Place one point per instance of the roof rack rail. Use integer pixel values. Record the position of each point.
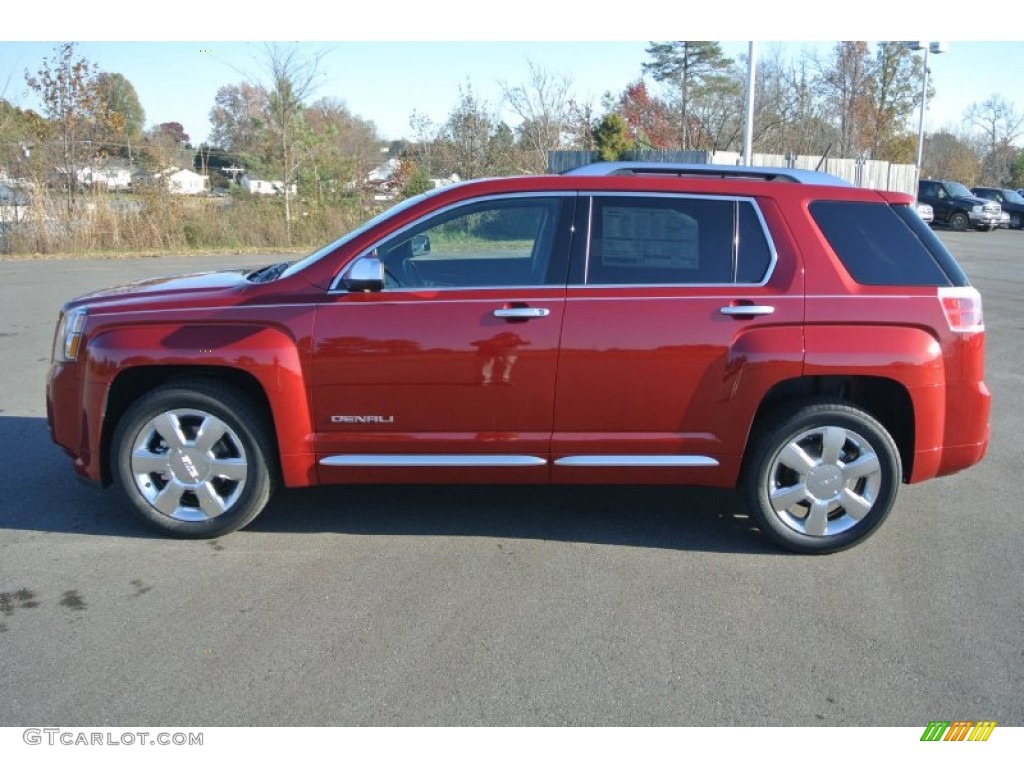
(635, 168)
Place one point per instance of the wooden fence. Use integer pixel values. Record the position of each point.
(874, 174)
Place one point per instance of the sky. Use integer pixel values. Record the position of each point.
(395, 60)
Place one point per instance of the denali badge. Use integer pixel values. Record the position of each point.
(362, 419)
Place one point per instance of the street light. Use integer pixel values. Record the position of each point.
(936, 48)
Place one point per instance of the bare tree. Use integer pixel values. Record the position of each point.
(846, 81)
(1000, 125)
(544, 105)
(294, 76)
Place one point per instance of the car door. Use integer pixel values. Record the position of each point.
(933, 193)
(448, 373)
(680, 312)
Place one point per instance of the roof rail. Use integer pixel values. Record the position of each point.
(635, 168)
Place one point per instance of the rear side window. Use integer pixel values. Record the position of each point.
(876, 245)
(675, 241)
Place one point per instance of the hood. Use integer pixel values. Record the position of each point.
(197, 285)
(977, 200)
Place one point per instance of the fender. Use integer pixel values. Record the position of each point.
(273, 355)
(910, 356)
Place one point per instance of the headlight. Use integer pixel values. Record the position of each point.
(976, 209)
(69, 339)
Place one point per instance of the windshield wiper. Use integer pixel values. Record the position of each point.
(266, 274)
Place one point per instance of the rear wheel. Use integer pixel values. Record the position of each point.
(821, 477)
(195, 459)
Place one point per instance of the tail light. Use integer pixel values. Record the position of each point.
(962, 307)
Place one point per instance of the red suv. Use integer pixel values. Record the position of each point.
(811, 342)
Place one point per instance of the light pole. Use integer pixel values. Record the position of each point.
(748, 128)
(936, 48)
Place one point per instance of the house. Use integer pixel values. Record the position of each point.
(186, 182)
(445, 182)
(264, 187)
(114, 178)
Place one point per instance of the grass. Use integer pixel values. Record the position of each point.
(155, 223)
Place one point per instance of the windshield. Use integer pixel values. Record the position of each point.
(329, 248)
(958, 190)
(1012, 197)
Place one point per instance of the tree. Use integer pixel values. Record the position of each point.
(896, 95)
(173, 131)
(341, 146)
(22, 133)
(465, 136)
(239, 118)
(543, 105)
(611, 136)
(294, 77)
(426, 135)
(846, 82)
(686, 65)
(503, 157)
(951, 155)
(1000, 125)
(412, 179)
(120, 114)
(1016, 180)
(67, 87)
(579, 130)
(648, 118)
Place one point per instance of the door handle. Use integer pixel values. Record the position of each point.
(745, 310)
(522, 313)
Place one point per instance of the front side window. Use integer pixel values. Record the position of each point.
(491, 243)
(675, 241)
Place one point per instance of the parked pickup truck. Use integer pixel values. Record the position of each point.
(955, 206)
(777, 330)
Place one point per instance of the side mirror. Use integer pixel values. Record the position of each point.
(366, 275)
(420, 245)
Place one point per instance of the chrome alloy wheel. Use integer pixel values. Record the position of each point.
(189, 465)
(824, 481)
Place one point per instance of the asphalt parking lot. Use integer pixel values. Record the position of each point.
(501, 606)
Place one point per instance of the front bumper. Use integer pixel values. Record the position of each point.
(74, 411)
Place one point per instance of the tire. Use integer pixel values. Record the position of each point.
(959, 221)
(822, 476)
(1016, 221)
(195, 459)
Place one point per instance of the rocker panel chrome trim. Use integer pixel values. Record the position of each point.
(430, 460)
(652, 460)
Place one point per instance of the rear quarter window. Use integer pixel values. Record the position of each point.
(876, 245)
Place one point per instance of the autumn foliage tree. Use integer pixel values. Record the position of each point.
(67, 86)
(648, 119)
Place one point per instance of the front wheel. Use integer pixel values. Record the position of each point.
(959, 222)
(821, 477)
(195, 459)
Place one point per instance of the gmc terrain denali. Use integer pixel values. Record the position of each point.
(811, 342)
